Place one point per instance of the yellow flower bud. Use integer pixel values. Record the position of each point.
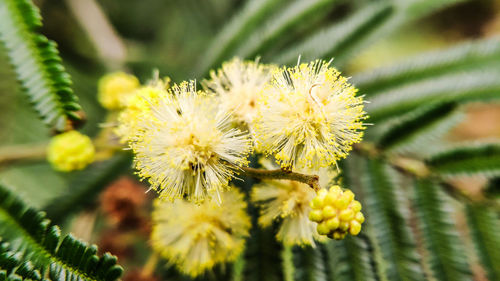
(333, 223)
(349, 195)
(354, 228)
(70, 151)
(332, 196)
(323, 228)
(114, 88)
(322, 193)
(316, 215)
(344, 226)
(328, 212)
(355, 206)
(318, 201)
(338, 235)
(346, 215)
(342, 202)
(335, 189)
(360, 217)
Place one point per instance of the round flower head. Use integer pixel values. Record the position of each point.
(336, 212)
(197, 237)
(187, 146)
(70, 151)
(310, 116)
(113, 89)
(238, 84)
(289, 201)
(137, 108)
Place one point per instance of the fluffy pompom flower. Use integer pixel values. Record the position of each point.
(290, 202)
(187, 146)
(70, 151)
(137, 108)
(310, 116)
(238, 84)
(197, 237)
(114, 87)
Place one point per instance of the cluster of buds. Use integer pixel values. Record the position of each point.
(336, 212)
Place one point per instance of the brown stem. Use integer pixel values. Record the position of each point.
(281, 174)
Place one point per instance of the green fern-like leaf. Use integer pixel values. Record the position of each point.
(347, 38)
(38, 65)
(310, 263)
(477, 85)
(262, 256)
(446, 253)
(239, 27)
(485, 228)
(385, 207)
(419, 128)
(293, 15)
(474, 159)
(351, 259)
(462, 57)
(15, 264)
(86, 186)
(62, 259)
(336, 39)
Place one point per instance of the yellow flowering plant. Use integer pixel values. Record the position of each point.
(245, 163)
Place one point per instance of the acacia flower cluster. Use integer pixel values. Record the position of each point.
(310, 116)
(196, 237)
(189, 144)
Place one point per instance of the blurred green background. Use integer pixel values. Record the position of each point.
(176, 37)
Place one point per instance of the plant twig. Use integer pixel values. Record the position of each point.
(281, 174)
(16, 153)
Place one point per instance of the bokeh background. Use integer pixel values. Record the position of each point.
(174, 36)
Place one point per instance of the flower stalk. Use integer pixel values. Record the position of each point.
(283, 174)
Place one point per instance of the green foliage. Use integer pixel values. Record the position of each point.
(86, 186)
(473, 159)
(60, 258)
(420, 127)
(344, 39)
(446, 254)
(408, 234)
(38, 65)
(310, 263)
(351, 259)
(485, 227)
(477, 85)
(386, 211)
(240, 25)
(463, 57)
(294, 15)
(13, 265)
(262, 256)
(339, 38)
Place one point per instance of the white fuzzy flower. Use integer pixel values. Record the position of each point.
(310, 116)
(187, 146)
(238, 84)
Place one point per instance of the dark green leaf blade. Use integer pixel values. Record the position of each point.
(465, 160)
(446, 253)
(484, 225)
